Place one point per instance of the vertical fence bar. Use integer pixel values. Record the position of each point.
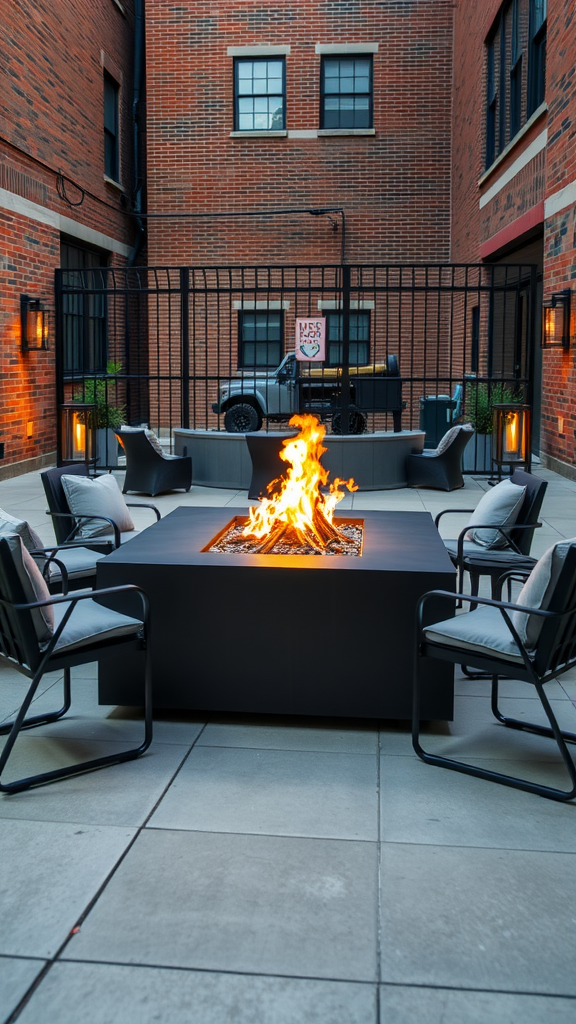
(185, 347)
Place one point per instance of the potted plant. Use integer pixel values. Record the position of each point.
(106, 417)
(479, 401)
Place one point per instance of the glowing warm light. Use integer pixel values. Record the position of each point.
(300, 513)
(79, 436)
(511, 431)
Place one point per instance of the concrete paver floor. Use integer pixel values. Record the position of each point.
(265, 870)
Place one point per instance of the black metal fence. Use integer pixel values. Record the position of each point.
(180, 347)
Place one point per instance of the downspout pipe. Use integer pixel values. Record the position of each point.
(138, 75)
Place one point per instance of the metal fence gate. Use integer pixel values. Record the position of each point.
(155, 345)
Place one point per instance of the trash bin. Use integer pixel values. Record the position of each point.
(436, 414)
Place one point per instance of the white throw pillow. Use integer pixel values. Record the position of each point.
(152, 437)
(537, 591)
(500, 505)
(97, 496)
(445, 441)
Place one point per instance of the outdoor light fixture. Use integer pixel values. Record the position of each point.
(512, 435)
(77, 441)
(33, 323)
(556, 324)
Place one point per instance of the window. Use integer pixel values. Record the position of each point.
(111, 162)
(359, 338)
(515, 71)
(260, 337)
(259, 94)
(346, 92)
(537, 62)
(84, 319)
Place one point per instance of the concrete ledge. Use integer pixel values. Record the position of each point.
(562, 468)
(34, 465)
(376, 461)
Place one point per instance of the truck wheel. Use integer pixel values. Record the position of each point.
(356, 422)
(241, 419)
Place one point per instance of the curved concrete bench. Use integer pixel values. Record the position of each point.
(376, 461)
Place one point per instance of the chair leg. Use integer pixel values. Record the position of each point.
(483, 773)
(19, 723)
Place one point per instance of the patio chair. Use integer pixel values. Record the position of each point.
(71, 565)
(511, 522)
(41, 633)
(148, 470)
(441, 467)
(533, 640)
(88, 525)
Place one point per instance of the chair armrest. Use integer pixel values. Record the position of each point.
(447, 510)
(140, 504)
(50, 558)
(504, 530)
(81, 517)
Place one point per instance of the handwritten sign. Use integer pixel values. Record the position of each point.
(311, 339)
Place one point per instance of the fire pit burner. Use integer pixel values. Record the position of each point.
(234, 540)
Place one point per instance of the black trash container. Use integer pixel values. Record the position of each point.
(436, 414)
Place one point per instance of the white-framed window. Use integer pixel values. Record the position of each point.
(259, 94)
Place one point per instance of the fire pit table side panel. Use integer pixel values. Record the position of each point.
(274, 634)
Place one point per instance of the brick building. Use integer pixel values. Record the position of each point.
(514, 172)
(66, 184)
(294, 133)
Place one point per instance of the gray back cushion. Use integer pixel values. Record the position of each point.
(538, 590)
(500, 505)
(97, 496)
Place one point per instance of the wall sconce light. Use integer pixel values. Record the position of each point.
(512, 435)
(556, 322)
(33, 323)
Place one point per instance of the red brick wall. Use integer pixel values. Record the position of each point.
(475, 229)
(51, 120)
(393, 186)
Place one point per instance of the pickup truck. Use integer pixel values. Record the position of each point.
(253, 396)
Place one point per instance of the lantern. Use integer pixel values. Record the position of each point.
(511, 435)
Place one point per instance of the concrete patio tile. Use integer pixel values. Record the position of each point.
(275, 792)
(121, 795)
(476, 733)
(101, 993)
(290, 734)
(513, 688)
(401, 1004)
(487, 919)
(16, 976)
(55, 871)
(249, 904)
(426, 804)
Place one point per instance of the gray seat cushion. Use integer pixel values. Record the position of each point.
(79, 562)
(489, 555)
(90, 622)
(483, 631)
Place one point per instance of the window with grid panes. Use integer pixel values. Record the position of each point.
(515, 71)
(260, 339)
(346, 92)
(359, 339)
(259, 94)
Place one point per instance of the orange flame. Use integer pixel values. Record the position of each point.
(300, 512)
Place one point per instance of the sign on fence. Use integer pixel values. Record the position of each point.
(311, 339)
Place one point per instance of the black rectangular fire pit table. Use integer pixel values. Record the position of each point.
(283, 634)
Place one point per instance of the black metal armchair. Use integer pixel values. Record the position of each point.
(81, 630)
(469, 556)
(492, 639)
(149, 472)
(68, 526)
(441, 467)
